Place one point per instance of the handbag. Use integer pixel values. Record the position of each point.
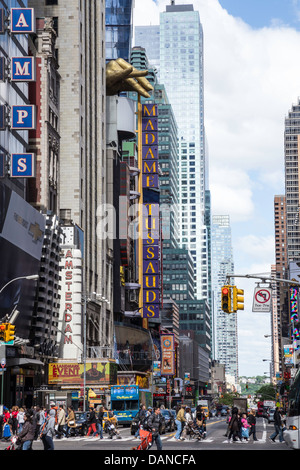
(71, 423)
(198, 422)
(245, 432)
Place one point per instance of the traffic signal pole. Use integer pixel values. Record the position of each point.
(264, 279)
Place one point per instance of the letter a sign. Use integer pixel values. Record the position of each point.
(22, 20)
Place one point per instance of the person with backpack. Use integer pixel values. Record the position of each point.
(48, 431)
(154, 424)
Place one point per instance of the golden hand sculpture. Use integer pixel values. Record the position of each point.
(121, 76)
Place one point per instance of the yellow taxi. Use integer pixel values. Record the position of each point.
(205, 411)
(110, 417)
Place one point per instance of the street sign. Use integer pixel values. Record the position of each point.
(262, 299)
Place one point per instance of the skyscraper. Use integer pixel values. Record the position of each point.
(225, 342)
(180, 66)
(118, 16)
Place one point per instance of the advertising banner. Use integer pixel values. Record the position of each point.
(168, 355)
(98, 373)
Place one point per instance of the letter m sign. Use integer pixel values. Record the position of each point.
(22, 69)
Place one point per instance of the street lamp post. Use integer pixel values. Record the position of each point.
(31, 277)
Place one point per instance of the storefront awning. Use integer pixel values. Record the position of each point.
(23, 361)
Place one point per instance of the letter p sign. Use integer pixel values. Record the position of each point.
(23, 117)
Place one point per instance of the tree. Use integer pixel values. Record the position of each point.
(266, 392)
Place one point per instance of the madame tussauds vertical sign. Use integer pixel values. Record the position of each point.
(151, 213)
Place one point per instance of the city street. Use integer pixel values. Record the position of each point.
(215, 440)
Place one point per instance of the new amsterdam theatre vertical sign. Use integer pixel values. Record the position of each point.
(151, 216)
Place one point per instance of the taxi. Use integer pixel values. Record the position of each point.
(110, 417)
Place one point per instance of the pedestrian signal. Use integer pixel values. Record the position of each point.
(9, 334)
(238, 299)
(226, 299)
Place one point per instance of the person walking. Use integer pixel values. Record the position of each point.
(244, 427)
(92, 422)
(252, 423)
(40, 419)
(99, 425)
(234, 427)
(141, 418)
(71, 424)
(14, 420)
(26, 436)
(61, 421)
(188, 420)
(201, 418)
(48, 432)
(278, 426)
(154, 424)
(21, 419)
(180, 420)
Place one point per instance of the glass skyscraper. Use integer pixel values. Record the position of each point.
(225, 342)
(118, 22)
(180, 69)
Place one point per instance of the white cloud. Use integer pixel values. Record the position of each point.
(251, 81)
(260, 249)
(231, 191)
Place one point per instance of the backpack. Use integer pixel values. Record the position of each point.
(43, 430)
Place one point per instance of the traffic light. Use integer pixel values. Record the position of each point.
(226, 299)
(9, 334)
(237, 299)
(2, 331)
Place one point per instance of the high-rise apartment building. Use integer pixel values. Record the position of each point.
(292, 181)
(225, 340)
(180, 68)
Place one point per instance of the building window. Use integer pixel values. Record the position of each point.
(51, 2)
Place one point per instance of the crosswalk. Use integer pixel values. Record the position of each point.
(211, 438)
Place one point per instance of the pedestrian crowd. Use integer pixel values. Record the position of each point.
(241, 426)
(29, 425)
(186, 422)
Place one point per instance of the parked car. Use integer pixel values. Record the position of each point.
(270, 416)
(169, 420)
(224, 411)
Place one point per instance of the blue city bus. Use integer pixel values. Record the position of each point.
(125, 401)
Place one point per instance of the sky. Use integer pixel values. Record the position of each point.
(251, 81)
